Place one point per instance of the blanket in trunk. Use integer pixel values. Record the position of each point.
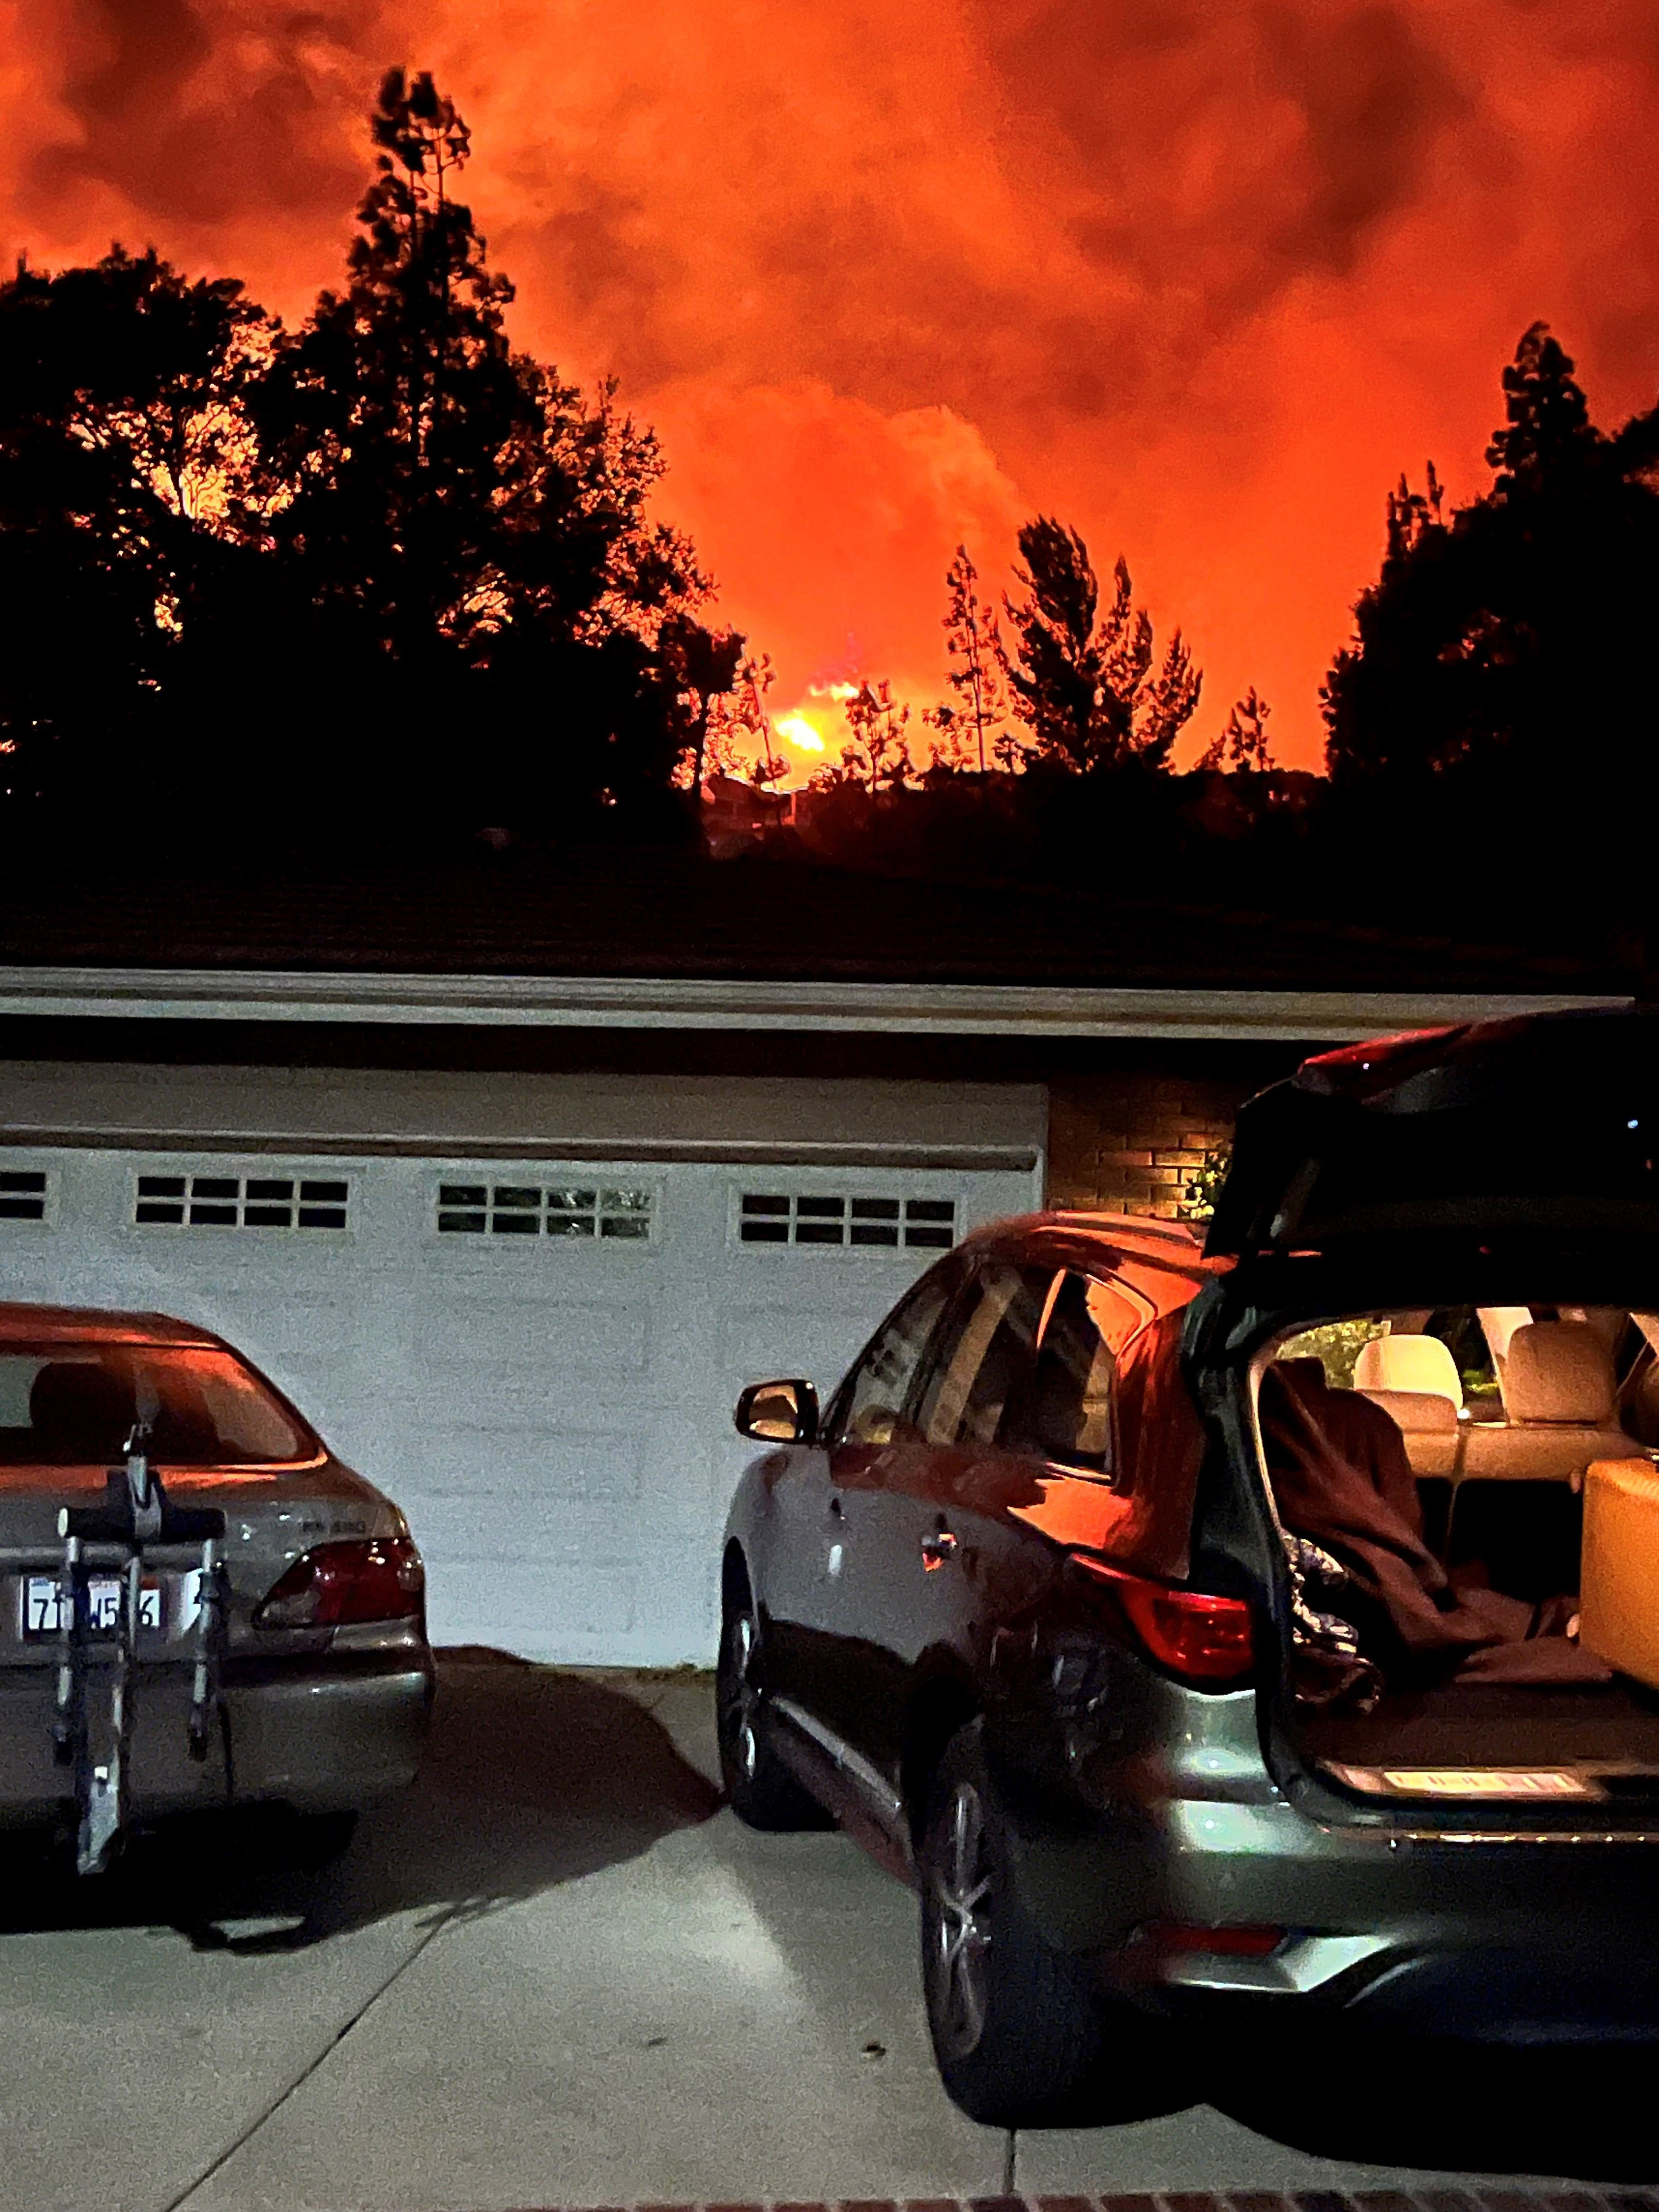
(1341, 1476)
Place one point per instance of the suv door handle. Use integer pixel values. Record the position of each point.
(938, 1548)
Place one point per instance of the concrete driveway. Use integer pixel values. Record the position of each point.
(559, 1973)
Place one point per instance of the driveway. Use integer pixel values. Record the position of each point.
(559, 1973)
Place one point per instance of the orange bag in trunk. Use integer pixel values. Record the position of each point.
(1618, 1587)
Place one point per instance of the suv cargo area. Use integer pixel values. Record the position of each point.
(1468, 1499)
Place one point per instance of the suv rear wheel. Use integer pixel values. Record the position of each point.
(1019, 2028)
(762, 1790)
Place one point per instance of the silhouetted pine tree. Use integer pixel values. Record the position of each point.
(1082, 677)
(475, 530)
(1243, 747)
(973, 726)
(876, 753)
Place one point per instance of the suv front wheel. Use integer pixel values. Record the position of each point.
(760, 1789)
(1019, 2028)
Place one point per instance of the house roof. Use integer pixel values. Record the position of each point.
(669, 914)
(670, 940)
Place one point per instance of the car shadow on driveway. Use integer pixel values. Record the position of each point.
(533, 1777)
(1396, 2101)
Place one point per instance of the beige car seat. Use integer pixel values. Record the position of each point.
(1417, 1363)
(1415, 1379)
(1498, 1324)
(1560, 1397)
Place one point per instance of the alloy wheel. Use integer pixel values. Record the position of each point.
(743, 1693)
(960, 1881)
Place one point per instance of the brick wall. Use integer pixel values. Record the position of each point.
(1130, 1142)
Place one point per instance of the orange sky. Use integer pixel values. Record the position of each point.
(1200, 276)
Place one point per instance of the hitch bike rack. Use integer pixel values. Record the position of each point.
(136, 1519)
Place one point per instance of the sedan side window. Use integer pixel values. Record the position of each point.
(1065, 1412)
(874, 1396)
(983, 1356)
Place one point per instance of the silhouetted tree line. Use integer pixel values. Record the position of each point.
(1491, 755)
(1053, 756)
(372, 582)
(384, 581)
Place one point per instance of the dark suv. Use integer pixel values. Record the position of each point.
(1273, 1623)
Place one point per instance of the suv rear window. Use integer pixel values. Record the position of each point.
(72, 1405)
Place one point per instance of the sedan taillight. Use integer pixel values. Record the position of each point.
(381, 1579)
(1210, 1641)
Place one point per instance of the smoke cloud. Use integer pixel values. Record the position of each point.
(1201, 276)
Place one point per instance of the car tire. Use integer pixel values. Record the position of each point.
(1020, 2029)
(760, 1789)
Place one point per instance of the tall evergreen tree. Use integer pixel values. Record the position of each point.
(1506, 649)
(1495, 714)
(1082, 675)
(394, 413)
(1547, 437)
(472, 531)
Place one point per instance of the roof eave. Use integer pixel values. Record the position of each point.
(990, 1009)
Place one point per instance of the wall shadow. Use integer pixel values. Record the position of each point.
(533, 1776)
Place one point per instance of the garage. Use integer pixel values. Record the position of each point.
(522, 1304)
(512, 1170)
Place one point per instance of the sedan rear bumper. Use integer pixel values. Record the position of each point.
(329, 1741)
(316, 1738)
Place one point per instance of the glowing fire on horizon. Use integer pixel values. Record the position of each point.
(798, 731)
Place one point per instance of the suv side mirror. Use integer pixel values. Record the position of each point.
(778, 1413)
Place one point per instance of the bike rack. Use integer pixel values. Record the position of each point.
(135, 1517)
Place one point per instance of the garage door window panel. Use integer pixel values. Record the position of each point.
(593, 1212)
(846, 1220)
(26, 1195)
(235, 1202)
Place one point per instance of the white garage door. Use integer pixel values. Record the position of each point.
(537, 1358)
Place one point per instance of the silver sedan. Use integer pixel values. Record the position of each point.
(200, 1607)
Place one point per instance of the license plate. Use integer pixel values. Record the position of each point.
(43, 1608)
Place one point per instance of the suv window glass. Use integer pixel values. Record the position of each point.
(874, 1394)
(984, 1355)
(1065, 1414)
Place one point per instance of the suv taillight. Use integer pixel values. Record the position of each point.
(1210, 1641)
(381, 1579)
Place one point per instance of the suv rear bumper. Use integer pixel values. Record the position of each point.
(1526, 1990)
(1525, 1937)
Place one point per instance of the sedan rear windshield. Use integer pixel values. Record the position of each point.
(69, 1405)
